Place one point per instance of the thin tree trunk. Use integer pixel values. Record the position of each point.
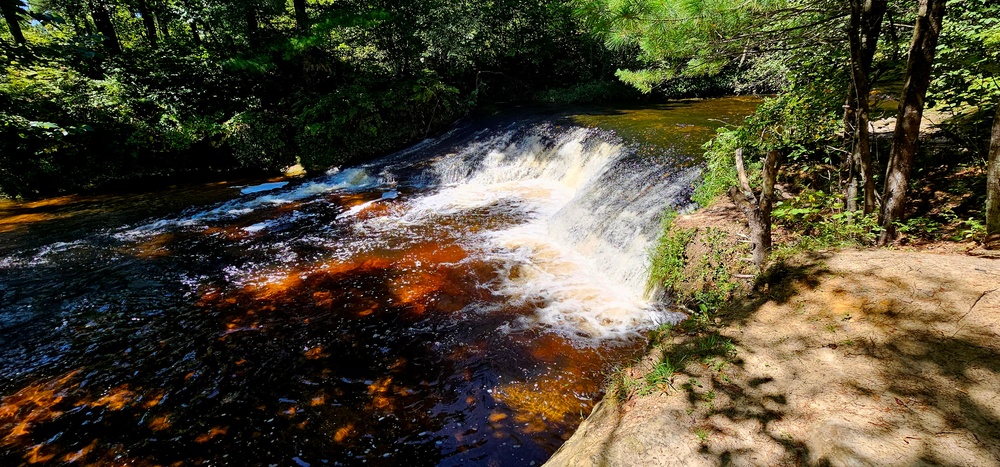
(911, 108)
(848, 174)
(253, 28)
(993, 188)
(873, 14)
(757, 209)
(209, 36)
(301, 18)
(102, 21)
(195, 36)
(162, 16)
(163, 26)
(148, 22)
(9, 8)
(865, 28)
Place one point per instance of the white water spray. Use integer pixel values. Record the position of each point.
(588, 210)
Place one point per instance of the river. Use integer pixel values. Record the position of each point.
(456, 303)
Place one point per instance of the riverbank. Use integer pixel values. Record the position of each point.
(872, 357)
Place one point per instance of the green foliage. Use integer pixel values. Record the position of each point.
(707, 347)
(660, 334)
(705, 282)
(240, 85)
(678, 39)
(61, 124)
(822, 223)
(719, 173)
(667, 259)
(658, 378)
(620, 385)
(645, 80)
(966, 70)
(966, 229)
(259, 139)
(357, 122)
(944, 226)
(802, 123)
(967, 61)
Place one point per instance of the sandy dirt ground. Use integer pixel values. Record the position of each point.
(875, 357)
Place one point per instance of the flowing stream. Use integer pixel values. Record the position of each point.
(456, 303)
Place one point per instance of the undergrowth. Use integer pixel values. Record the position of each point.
(667, 259)
(693, 341)
(815, 220)
(715, 273)
(720, 167)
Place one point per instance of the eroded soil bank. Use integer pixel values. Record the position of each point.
(874, 357)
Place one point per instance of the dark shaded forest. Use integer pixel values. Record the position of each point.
(106, 90)
(100, 92)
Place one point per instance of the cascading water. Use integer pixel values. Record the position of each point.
(455, 303)
(591, 209)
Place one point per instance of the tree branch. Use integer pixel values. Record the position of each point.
(741, 173)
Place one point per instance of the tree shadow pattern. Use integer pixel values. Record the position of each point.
(873, 358)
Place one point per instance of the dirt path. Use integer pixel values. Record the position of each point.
(872, 357)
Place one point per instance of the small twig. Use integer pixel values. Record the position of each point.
(838, 149)
(973, 307)
(977, 303)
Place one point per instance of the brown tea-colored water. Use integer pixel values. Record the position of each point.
(454, 304)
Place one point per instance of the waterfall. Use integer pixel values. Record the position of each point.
(587, 207)
(595, 206)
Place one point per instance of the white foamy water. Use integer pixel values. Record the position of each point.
(581, 257)
(583, 213)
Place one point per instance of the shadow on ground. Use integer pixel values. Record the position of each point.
(851, 358)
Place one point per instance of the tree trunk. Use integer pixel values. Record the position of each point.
(102, 21)
(163, 25)
(911, 108)
(848, 174)
(757, 209)
(301, 18)
(253, 28)
(993, 188)
(864, 30)
(148, 22)
(10, 8)
(195, 36)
